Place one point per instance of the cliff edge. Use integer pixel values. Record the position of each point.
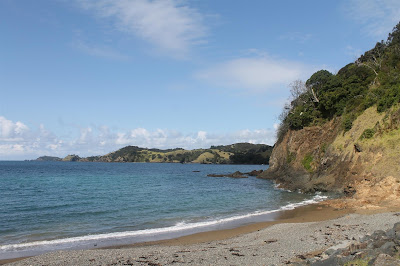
(341, 132)
(363, 166)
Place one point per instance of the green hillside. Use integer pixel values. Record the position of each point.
(373, 80)
(240, 153)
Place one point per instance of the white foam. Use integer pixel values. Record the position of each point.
(181, 226)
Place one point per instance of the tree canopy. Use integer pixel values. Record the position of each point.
(374, 79)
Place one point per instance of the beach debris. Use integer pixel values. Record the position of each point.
(182, 251)
(150, 263)
(238, 254)
(302, 257)
(269, 241)
(153, 264)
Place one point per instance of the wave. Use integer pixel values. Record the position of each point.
(179, 227)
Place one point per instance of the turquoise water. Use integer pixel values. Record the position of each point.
(47, 206)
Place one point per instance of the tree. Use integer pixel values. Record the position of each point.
(297, 88)
(394, 36)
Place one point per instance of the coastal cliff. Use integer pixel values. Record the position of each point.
(324, 158)
(341, 132)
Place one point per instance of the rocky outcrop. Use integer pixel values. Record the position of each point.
(364, 167)
(255, 172)
(294, 162)
(236, 174)
(379, 248)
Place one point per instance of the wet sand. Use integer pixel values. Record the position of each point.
(302, 232)
(309, 213)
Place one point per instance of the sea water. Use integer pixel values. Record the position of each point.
(47, 206)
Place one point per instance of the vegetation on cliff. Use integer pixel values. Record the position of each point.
(341, 132)
(239, 153)
(373, 80)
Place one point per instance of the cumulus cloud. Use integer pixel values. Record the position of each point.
(256, 74)
(171, 139)
(378, 16)
(17, 141)
(170, 25)
(11, 131)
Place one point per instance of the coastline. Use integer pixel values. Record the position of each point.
(304, 231)
(308, 213)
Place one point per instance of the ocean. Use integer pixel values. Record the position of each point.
(47, 206)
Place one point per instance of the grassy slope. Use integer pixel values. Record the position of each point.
(216, 154)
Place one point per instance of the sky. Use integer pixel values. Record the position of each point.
(88, 77)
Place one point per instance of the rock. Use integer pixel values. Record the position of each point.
(330, 251)
(215, 175)
(357, 147)
(328, 262)
(388, 248)
(378, 234)
(349, 191)
(236, 174)
(269, 241)
(396, 229)
(254, 173)
(377, 243)
(385, 259)
(357, 246)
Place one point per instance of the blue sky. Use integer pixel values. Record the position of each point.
(88, 77)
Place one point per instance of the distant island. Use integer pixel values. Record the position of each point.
(239, 153)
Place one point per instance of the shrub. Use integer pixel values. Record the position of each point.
(291, 156)
(348, 122)
(368, 133)
(324, 147)
(306, 162)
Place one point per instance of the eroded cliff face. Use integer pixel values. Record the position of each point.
(323, 158)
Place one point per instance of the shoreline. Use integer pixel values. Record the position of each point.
(301, 214)
(305, 231)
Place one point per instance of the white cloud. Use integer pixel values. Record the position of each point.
(170, 25)
(378, 16)
(255, 74)
(98, 51)
(10, 131)
(17, 141)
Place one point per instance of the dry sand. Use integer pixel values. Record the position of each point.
(305, 231)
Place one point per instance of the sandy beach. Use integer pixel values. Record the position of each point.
(297, 234)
